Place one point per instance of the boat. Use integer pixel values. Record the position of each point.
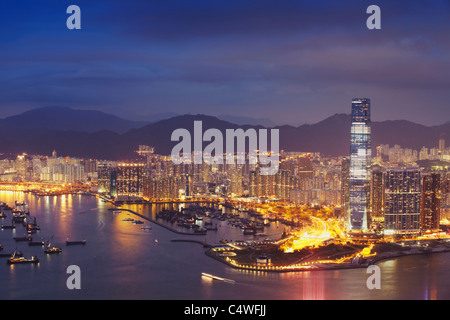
(23, 238)
(210, 276)
(128, 219)
(53, 250)
(116, 211)
(138, 222)
(18, 258)
(146, 228)
(11, 226)
(75, 242)
(33, 226)
(21, 260)
(20, 217)
(36, 243)
(200, 231)
(248, 230)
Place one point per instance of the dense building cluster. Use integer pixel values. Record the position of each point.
(400, 191)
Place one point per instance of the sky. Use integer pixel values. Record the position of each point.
(293, 62)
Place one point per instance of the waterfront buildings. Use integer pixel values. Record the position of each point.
(106, 179)
(365, 191)
(360, 162)
(130, 180)
(65, 170)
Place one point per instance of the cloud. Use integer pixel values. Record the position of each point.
(303, 59)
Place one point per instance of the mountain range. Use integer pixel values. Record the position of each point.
(94, 134)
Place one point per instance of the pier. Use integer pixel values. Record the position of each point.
(204, 244)
(160, 224)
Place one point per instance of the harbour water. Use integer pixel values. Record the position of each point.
(122, 261)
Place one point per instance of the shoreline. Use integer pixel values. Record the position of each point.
(323, 266)
(385, 256)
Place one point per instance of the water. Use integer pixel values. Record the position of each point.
(122, 261)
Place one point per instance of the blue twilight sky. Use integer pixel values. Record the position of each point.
(291, 61)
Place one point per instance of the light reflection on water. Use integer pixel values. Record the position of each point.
(122, 261)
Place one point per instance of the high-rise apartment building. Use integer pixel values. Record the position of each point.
(431, 205)
(345, 186)
(402, 201)
(360, 161)
(130, 179)
(104, 178)
(377, 198)
(305, 171)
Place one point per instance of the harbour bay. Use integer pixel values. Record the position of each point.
(122, 261)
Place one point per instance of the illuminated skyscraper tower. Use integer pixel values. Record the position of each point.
(360, 161)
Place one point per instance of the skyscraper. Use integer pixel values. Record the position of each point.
(360, 161)
(130, 177)
(402, 202)
(305, 171)
(377, 190)
(441, 145)
(345, 185)
(430, 210)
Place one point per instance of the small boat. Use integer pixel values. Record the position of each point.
(23, 238)
(138, 222)
(12, 226)
(75, 242)
(200, 231)
(248, 230)
(18, 218)
(128, 219)
(146, 228)
(20, 260)
(53, 250)
(36, 243)
(210, 276)
(116, 211)
(33, 226)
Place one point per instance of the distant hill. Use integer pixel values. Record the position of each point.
(35, 133)
(246, 120)
(66, 119)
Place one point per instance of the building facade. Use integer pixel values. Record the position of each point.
(360, 162)
(130, 179)
(431, 204)
(402, 202)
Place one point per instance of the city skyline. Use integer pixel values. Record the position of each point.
(301, 211)
(208, 150)
(135, 59)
